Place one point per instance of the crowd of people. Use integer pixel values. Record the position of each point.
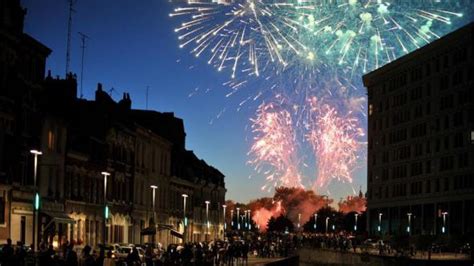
(234, 251)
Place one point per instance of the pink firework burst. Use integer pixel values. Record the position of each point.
(335, 141)
(274, 151)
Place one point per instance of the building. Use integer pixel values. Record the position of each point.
(142, 151)
(22, 66)
(421, 139)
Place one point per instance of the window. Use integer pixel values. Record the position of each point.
(472, 137)
(463, 160)
(458, 119)
(446, 163)
(371, 109)
(428, 186)
(428, 167)
(416, 93)
(446, 184)
(51, 140)
(416, 169)
(458, 140)
(2, 210)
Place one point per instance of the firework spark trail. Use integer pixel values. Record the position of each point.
(335, 140)
(274, 151)
(358, 35)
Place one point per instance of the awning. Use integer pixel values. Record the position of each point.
(176, 234)
(59, 217)
(148, 231)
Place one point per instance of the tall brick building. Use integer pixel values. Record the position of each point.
(421, 139)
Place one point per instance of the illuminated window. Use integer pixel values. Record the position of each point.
(51, 140)
(371, 109)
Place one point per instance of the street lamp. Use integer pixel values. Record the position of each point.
(231, 219)
(185, 220)
(246, 220)
(443, 229)
(207, 216)
(153, 188)
(315, 221)
(106, 208)
(36, 199)
(250, 220)
(327, 223)
(379, 227)
(299, 220)
(238, 219)
(409, 223)
(355, 223)
(223, 214)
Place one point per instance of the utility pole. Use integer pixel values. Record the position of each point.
(69, 28)
(84, 37)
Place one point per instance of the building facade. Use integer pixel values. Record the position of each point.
(421, 140)
(80, 140)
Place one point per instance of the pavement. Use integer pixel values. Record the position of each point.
(261, 261)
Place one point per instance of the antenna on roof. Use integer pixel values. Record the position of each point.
(146, 97)
(69, 27)
(83, 47)
(111, 91)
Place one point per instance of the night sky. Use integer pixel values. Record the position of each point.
(132, 45)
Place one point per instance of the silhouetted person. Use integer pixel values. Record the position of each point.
(133, 258)
(108, 261)
(7, 253)
(87, 259)
(71, 256)
(100, 260)
(20, 254)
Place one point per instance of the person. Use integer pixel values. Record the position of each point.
(87, 259)
(133, 258)
(100, 260)
(149, 256)
(7, 253)
(20, 253)
(109, 261)
(71, 256)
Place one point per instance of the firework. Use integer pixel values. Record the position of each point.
(362, 35)
(245, 36)
(275, 147)
(335, 140)
(253, 36)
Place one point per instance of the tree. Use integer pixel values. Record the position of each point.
(280, 224)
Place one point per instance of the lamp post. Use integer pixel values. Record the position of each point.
(299, 220)
(36, 198)
(207, 218)
(106, 208)
(443, 229)
(245, 220)
(379, 227)
(250, 220)
(185, 220)
(315, 221)
(232, 219)
(153, 188)
(225, 224)
(355, 223)
(327, 224)
(409, 223)
(238, 219)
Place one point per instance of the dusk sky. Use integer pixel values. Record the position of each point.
(132, 45)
